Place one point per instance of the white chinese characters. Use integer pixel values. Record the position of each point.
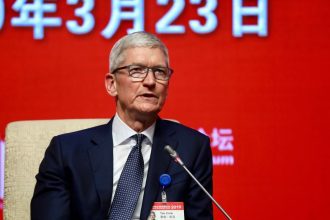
(2, 13)
(38, 21)
(239, 11)
(221, 139)
(40, 14)
(118, 14)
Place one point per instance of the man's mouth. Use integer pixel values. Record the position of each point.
(148, 95)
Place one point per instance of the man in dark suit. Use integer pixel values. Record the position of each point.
(92, 174)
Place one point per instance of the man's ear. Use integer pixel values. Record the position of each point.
(110, 84)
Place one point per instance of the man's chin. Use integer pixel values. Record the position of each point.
(149, 109)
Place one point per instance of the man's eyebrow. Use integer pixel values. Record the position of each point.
(154, 66)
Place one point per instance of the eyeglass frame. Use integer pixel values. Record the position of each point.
(146, 68)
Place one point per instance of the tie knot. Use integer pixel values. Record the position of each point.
(139, 138)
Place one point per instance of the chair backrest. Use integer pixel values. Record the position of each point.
(26, 142)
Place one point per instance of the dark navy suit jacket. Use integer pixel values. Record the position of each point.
(75, 176)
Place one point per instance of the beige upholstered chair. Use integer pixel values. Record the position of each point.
(26, 142)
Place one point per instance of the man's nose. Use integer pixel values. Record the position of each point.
(150, 78)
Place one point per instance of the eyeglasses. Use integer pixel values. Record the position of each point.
(140, 72)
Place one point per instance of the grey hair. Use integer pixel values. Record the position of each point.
(136, 39)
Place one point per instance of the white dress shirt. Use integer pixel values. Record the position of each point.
(122, 146)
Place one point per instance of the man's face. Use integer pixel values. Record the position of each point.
(144, 98)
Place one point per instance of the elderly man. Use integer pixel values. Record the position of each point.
(112, 171)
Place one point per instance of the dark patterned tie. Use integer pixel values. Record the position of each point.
(129, 184)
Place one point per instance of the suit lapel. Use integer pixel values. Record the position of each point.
(101, 160)
(159, 162)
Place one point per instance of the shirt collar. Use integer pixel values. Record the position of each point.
(122, 132)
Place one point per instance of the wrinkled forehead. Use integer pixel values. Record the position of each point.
(124, 55)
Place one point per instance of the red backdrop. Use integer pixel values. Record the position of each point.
(271, 94)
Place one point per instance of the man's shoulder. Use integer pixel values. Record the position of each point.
(181, 129)
(85, 134)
